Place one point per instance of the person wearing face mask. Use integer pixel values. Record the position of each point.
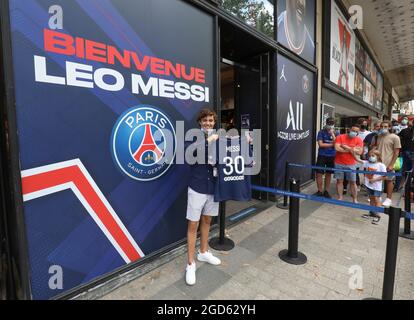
(389, 146)
(374, 182)
(326, 157)
(363, 134)
(396, 128)
(407, 148)
(348, 147)
(364, 130)
(404, 123)
(372, 137)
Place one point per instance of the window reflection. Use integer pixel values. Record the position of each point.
(257, 13)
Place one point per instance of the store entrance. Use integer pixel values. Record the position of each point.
(244, 105)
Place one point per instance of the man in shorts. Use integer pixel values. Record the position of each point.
(201, 206)
(407, 150)
(348, 147)
(389, 146)
(326, 157)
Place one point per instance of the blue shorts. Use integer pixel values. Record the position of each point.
(350, 176)
(374, 193)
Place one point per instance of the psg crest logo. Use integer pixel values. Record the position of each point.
(143, 143)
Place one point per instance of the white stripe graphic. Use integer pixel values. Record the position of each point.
(71, 185)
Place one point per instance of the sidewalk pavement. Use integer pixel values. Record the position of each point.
(333, 238)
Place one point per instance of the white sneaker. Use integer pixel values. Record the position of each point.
(387, 203)
(190, 274)
(209, 258)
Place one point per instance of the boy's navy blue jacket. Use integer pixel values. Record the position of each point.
(202, 179)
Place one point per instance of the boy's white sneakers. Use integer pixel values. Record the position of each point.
(190, 271)
(209, 258)
(190, 274)
(387, 203)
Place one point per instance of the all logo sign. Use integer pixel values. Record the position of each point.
(143, 143)
(295, 120)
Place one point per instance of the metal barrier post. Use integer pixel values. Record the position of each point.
(285, 205)
(222, 243)
(292, 256)
(407, 233)
(395, 215)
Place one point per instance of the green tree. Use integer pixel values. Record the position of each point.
(253, 12)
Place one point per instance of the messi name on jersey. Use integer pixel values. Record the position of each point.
(143, 143)
(232, 183)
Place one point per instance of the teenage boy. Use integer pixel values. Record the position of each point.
(201, 206)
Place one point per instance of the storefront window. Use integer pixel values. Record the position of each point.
(257, 13)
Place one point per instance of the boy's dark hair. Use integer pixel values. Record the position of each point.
(356, 126)
(206, 112)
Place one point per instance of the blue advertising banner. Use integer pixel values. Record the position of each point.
(95, 82)
(295, 119)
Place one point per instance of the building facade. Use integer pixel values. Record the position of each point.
(86, 82)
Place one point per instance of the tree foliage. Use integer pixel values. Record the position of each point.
(253, 12)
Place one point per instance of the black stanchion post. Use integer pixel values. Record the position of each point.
(285, 204)
(406, 233)
(222, 243)
(292, 256)
(395, 215)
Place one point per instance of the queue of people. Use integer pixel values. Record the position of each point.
(360, 149)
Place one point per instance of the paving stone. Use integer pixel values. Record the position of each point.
(334, 295)
(266, 217)
(236, 259)
(333, 285)
(285, 285)
(171, 293)
(259, 274)
(233, 290)
(209, 279)
(333, 239)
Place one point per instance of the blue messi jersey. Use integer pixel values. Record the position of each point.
(306, 49)
(232, 183)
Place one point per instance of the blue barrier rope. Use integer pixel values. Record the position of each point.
(320, 199)
(409, 215)
(385, 174)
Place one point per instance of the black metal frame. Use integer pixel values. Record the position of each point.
(314, 32)
(277, 49)
(20, 255)
(14, 201)
(326, 59)
(228, 17)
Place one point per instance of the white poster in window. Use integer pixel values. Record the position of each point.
(342, 60)
(368, 92)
